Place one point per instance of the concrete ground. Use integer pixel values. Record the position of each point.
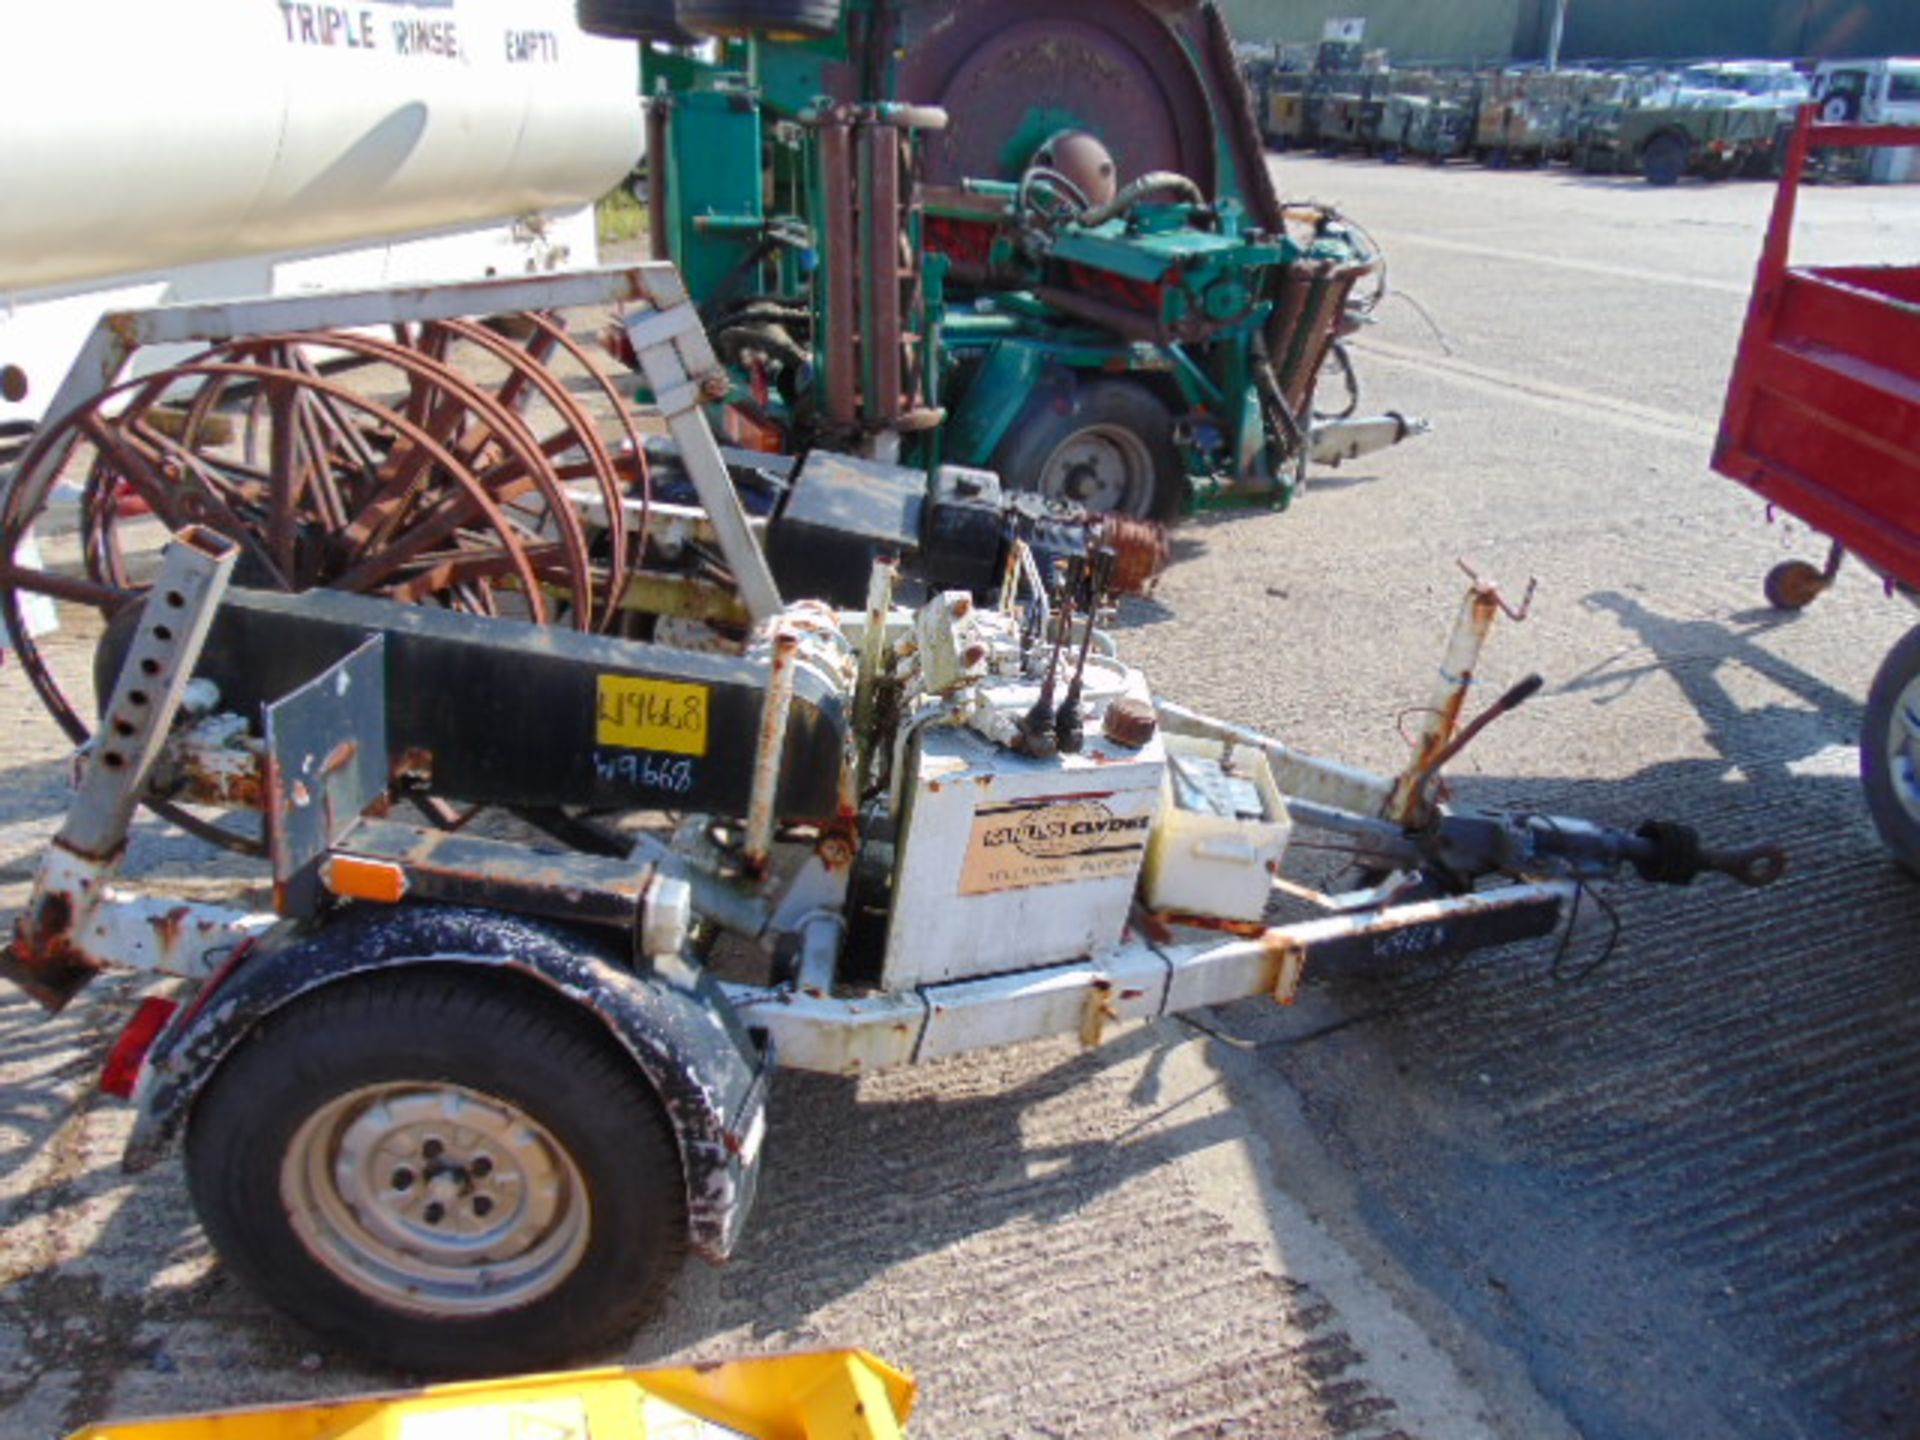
(1665, 1183)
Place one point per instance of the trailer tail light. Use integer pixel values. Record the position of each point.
(129, 1052)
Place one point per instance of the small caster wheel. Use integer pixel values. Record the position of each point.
(1793, 584)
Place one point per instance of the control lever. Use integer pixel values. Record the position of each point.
(1521, 692)
(1069, 726)
(1036, 736)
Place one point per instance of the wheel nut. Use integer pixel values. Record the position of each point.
(482, 1206)
(403, 1179)
(481, 1167)
(434, 1213)
(432, 1149)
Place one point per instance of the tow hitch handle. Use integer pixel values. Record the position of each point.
(1751, 865)
(1516, 696)
(1670, 853)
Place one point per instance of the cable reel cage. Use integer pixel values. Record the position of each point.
(456, 446)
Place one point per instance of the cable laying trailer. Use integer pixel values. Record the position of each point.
(465, 1101)
(1823, 420)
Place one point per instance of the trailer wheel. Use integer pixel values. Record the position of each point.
(442, 1172)
(1890, 751)
(1664, 160)
(1793, 585)
(1107, 445)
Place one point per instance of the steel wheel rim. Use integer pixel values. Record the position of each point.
(1903, 749)
(434, 1198)
(1103, 467)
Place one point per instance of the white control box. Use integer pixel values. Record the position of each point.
(1008, 862)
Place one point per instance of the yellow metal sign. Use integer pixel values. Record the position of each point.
(663, 715)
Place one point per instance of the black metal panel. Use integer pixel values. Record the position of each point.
(1408, 945)
(966, 525)
(844, 513)
(505, 713)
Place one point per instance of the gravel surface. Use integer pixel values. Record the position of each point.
(1665, 1184)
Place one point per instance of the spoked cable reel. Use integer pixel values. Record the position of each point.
(447, 465)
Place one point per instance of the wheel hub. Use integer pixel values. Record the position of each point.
(435, 1197)
(1103, 467)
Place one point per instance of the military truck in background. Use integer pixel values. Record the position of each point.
(1716, 121)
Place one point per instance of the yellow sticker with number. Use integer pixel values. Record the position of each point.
(663, 715)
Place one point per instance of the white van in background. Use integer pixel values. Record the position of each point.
(1873, 92)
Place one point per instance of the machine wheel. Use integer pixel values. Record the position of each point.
(747, 17)
(1107, 445)
(1793, 585)
(1664, 160)
(1890, 751)
(641, 20)
(432, 1170)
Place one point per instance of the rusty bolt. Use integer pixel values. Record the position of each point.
(715, 385)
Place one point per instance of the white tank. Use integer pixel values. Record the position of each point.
(141, 136)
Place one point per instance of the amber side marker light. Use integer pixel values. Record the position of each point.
(352, 878)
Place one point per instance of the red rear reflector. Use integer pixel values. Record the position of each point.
(129, 1052)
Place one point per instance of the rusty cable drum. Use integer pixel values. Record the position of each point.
(1011, 73)
(343, 461)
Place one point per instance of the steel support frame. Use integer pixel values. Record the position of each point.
(75, 924)
(673, 349)
(1138, 981)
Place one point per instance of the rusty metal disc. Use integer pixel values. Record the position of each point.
(1011, 73)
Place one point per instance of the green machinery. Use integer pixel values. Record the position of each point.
(1033, 236)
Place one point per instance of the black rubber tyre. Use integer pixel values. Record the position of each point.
(1105, 444)
(1840, 109)
(322, 1148)
(1793, 585)
(1664, 160)
(641, 20)
(753, 17)
(1890, 751)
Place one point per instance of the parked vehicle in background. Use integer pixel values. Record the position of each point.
(1715, 120)
(1872, 92)
(1868, 92)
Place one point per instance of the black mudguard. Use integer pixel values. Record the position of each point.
(709, 1073)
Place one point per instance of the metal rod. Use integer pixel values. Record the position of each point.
(836, 186)
(1441, 718)
(883, 336)
(873, 655)
(767, 753)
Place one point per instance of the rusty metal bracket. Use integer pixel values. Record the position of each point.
(56, 945)
(1290, 963)
(326, 762)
